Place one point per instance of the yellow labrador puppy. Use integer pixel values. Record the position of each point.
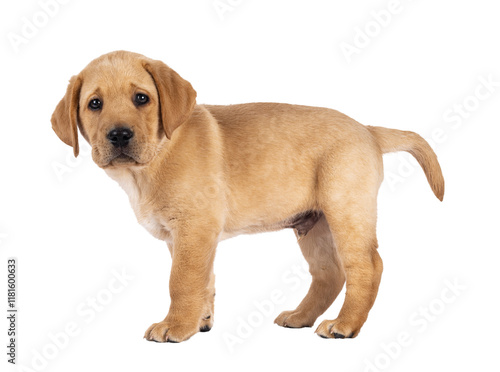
(198, 174)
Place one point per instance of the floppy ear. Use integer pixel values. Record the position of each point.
(65, 117)
(177, 96)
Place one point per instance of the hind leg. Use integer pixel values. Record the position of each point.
(327, 277)
(363, 279)
(349, 203)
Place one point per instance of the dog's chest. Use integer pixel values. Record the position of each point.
(143, 208)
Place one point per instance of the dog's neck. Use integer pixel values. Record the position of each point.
(130, 180)
(138, 183)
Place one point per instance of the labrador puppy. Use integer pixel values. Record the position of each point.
(198, 174)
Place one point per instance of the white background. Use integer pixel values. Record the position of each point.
(70, 226)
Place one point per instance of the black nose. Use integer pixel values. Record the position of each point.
(120, 137)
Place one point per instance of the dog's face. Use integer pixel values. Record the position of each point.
(125, 105)
(118, 112)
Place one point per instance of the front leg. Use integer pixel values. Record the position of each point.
(191, 287)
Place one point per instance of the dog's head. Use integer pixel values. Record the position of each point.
(124, 105)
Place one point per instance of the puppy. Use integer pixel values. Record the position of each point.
(199, 174)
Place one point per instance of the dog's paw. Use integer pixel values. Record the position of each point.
(336, 329)
(294, 319)
(207, 323)
(166, 331)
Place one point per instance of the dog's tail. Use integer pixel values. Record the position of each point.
(391, 140)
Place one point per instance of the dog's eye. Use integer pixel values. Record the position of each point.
(95, 104)
(141, 99)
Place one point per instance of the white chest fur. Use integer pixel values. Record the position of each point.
(143, 208)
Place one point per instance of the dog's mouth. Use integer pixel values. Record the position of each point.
(128, 156)
(122, 159)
